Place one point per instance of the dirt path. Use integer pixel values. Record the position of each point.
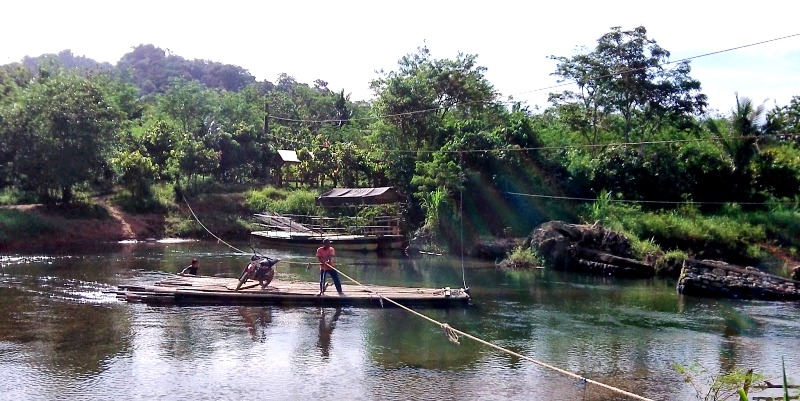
(122, 219)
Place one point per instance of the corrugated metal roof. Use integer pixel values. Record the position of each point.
(289, 156)
(359, 196)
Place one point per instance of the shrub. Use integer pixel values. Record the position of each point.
(523, 257)
(22, 225)
(268, 199)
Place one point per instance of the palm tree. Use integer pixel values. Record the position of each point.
(747, 128)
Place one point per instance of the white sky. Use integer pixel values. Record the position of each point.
(345, 42)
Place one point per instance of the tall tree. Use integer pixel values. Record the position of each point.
(191, 104)
(627, 75)
(60, 135)
(745, 127)
(417, 101)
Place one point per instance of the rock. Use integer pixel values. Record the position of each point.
(587, 248)
(496, 248)
(709, 278)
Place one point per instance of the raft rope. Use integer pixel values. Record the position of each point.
(207, 230)
(461, 220)
(453, 335)
(451, 332)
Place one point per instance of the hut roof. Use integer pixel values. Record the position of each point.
(359, 196)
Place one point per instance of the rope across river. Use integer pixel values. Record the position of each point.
(451, 332)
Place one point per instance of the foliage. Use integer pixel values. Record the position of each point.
(723, 386)
(136, 172)
(268, 199)
(707, 236)
(432, 205)
(523, 257)
(151, 69)
(627, 75)
(59, 134)
(781, 222)
(776, 170)
(12, 196)
(670, 259)
(158, 122)
(262, 200)
(19, 225)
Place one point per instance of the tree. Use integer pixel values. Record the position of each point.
(417, 100)
(60, 134)
(341, 112)
(785, 120)
(627, 75)
(191, 104)
(136, 173)
(159, 142)
(739, 137)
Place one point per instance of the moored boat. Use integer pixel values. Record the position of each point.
(376, 234)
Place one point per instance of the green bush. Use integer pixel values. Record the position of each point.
(269, 199)
(717, 236)
(22, 225)
(10, 196)
(261, 200)
(781, 223)
(670, 263)
(523, 257)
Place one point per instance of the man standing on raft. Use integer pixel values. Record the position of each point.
(325, 254)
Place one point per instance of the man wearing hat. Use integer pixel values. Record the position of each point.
(325, 254)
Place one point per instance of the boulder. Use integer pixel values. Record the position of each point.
(587, 248)
(710, 278)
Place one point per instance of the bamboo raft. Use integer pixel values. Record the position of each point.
(209, 290)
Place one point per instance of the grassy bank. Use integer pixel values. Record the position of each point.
(730, 234)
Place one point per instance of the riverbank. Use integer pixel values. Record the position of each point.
(40, 227)
(37, 227)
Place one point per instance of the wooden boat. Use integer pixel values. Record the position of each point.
(342, 242)
(378, 234)
(205, 290)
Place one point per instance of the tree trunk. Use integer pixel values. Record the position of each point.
(66, 194)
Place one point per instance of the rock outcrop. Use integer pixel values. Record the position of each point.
(587, 248)
(708, 278)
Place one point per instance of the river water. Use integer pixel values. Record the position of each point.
(64, 335)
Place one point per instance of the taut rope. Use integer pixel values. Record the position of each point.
(451, 332)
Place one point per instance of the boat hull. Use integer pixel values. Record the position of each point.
(354, 243)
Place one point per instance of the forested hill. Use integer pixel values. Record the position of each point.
(151, 69)
(629, 143)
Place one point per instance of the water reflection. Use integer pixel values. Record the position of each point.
(70, 339)
(256, 320)
(326, 330)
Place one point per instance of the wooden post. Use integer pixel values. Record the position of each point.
(265, 145)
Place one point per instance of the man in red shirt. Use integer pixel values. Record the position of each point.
(325, 254)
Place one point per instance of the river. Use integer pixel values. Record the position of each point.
(64, 334)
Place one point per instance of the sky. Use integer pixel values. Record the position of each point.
(345, 42)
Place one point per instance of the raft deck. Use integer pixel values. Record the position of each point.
(209, 290)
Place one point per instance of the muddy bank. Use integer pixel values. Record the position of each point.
(60, 231)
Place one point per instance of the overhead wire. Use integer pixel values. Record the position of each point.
(628, 71)
(579, 199)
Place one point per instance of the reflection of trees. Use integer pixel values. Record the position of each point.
(73, 339)
(736, 324)
(325, 331)
(397, 339)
